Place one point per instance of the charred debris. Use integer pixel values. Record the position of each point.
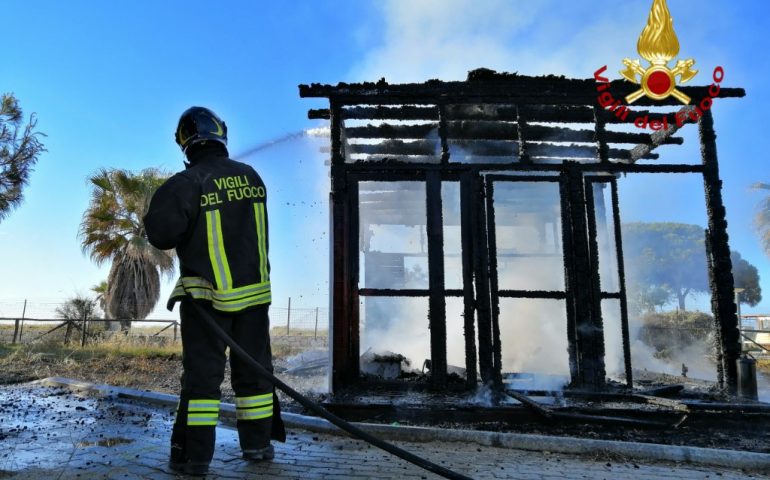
(514, 151)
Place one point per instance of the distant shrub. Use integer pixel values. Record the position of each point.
(668, 332)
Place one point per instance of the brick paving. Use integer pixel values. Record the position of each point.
(52, 433)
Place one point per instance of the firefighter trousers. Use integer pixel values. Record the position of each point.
(258, 412)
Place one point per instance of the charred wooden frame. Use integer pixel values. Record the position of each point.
(499, 128)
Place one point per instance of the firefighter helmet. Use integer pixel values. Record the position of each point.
(197, 125)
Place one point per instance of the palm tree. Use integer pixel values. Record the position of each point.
(762, 219)
(112, 229)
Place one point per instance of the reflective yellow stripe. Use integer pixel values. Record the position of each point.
(254, 401)
(203, 401)
(259, 215)
(217, 250)
(237, 307)
(254, 413)
(202, 411)
(202, 419)
(208, 294)
(231, 306)
(193, 282)
(203, 406)
(230, 300)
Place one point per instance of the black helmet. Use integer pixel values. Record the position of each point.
(199, 124)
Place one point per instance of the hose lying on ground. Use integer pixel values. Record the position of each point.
(320, 411)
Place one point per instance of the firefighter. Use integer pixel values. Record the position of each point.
(214, 214)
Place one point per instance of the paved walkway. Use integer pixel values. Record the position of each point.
(52, 433)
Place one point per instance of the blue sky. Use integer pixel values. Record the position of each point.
(108, 81)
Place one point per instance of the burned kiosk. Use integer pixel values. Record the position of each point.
(453, 201)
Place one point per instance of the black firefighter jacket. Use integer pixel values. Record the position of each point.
(214, 213)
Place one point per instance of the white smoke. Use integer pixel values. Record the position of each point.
(447, 38)
(402, 330)
(321, 132)
(444, 38)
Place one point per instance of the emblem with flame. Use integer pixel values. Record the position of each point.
(658, 45)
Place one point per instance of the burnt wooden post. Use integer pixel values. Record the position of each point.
(354, 308)
(468, 255)
(436, 300)
(600, 131)
(594, 353)
(521, 132)
(581, 265)
(721, 276)
(344, 347)
(717, 331)
(481, 266)
(442, 133)
(570, 277)
(494, 298)
(621, 284)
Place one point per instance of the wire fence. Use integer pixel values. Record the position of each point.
(25, 322)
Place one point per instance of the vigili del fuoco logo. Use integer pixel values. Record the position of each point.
(658, 45)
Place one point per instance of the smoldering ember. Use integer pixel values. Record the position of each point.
(467, 215)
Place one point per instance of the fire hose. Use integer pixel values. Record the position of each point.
(319, 410)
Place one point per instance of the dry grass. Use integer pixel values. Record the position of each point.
(142, 362)
(283, 349)
(121, 361)
(763, 365)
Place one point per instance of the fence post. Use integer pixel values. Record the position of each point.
(288, 318)
(83, 338)
(175, 324)
(15, 330)
(68, 332)
(23, 316)
(315, 331)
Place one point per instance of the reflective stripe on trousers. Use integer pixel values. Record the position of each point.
(202, 412)
(255, 407)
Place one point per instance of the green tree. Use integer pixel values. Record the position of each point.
(746, 277)
(112, 229)
(666, 261)
(19, 149)
(669, 256)
(647, 298)
(78, 309)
